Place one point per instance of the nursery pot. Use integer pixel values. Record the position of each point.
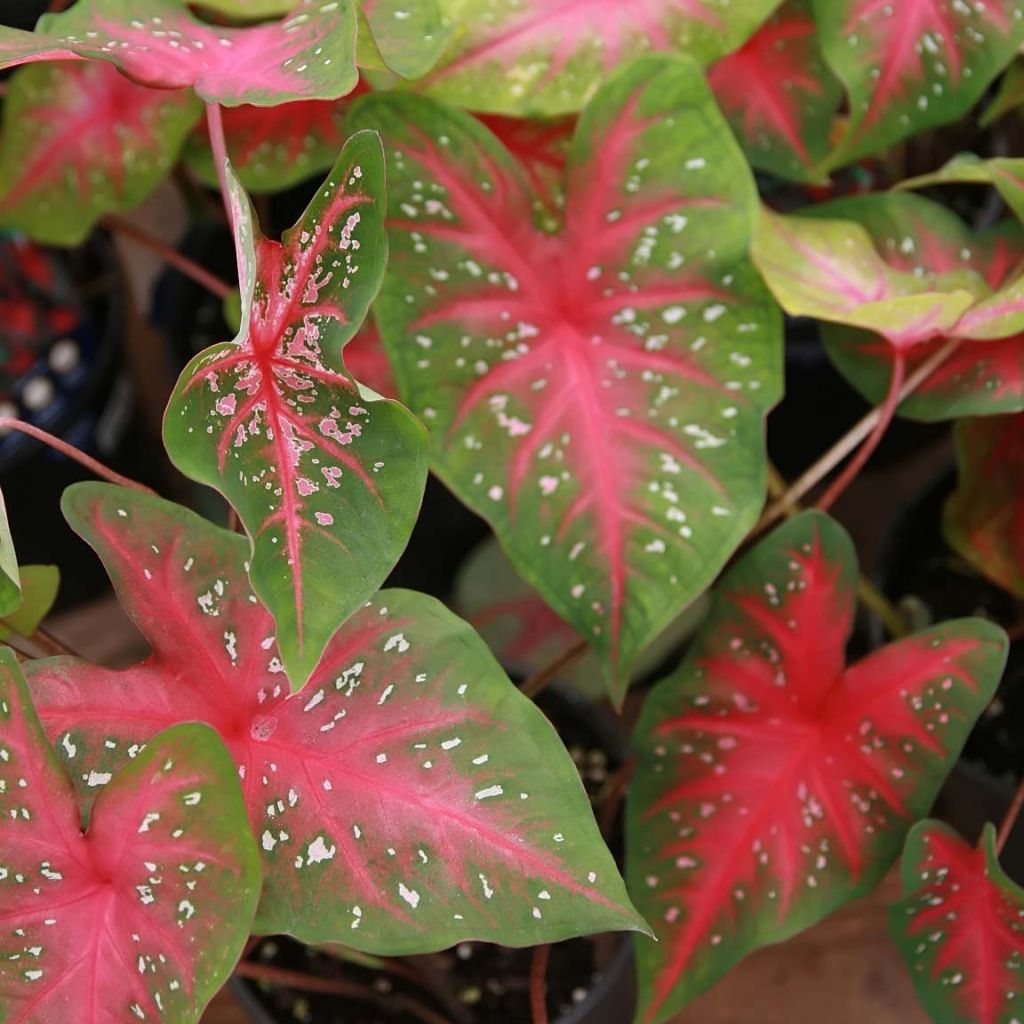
(916, 561)
(603, 992)
(61, 369)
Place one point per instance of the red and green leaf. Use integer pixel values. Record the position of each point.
(1005, 174)
(367, 361)
(410, 797)
(81, 140)
(273, 148)
(773, 782)
(326, 478)
(39, 585)
(779, 95)
(960, 927)
(913, 64)
(161, 44)
(143, 913)
(547, 57)
(984, 518)
(597, 395)
(919, 237)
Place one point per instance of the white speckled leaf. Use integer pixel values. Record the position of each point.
(545, 57)
(161, 43)
(143, 914)
(960, 927)
(773, 782)
(408, 798)
(327, 480)
(909, 65)
(81, 140)
(598, 395)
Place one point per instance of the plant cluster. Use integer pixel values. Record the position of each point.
(571, 225)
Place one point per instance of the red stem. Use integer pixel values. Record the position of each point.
(215, 127)
(1010, 819)
(539, 984)
(887, 410)
(536, 683)
(97, 467)
(211, 282)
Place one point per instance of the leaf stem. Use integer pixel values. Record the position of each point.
(215, 127)
(849, 441)
(1010, 819)
(208, 280)
(336, 986)
(58, 445)
(539, 985)
(535, 684)
(886, 412)
(46, 641)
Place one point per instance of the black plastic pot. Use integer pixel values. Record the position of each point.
(916, 562)
(61, 369)
(609, 997)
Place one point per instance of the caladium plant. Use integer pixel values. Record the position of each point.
(774, 782)
(601, 405)
(574, 308)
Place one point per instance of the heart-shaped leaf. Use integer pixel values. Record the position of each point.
(39, 584)
(273, 148)
(327, 479)
(160, 43)
(960, 927)
(913, 64)
(773, 783)
(144, 913)
(410, 797)
(779, 95)
(598, 395)
(984, 518)
(1004, 173)
(546, 57)
(921, 238)
(80, 140)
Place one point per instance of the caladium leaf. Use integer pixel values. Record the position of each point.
(779, 95)
(368, 362)
(1009, 95)
(404, 36)
(915, 64)
(773, 783)
(408, 798)
(327, 479)
(39, 585)
(160, 43)
(10, 582)
(273, 148)
(1006, 174)
(546, 57)
(919, 237)
(144, 913)
(831, 270)
(960, 927)
(984, 518)
(80, 140)
(599, 395)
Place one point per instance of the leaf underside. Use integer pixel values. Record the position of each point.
(410, 797)
(547, 57)
(597, 395)
(326, 479)
(142, 915)
(913, 64)
(984, 518)
(960, 927)
(162, 44)
(773, 783)
(81, 140)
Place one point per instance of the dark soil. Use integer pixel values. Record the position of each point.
(475, 982)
